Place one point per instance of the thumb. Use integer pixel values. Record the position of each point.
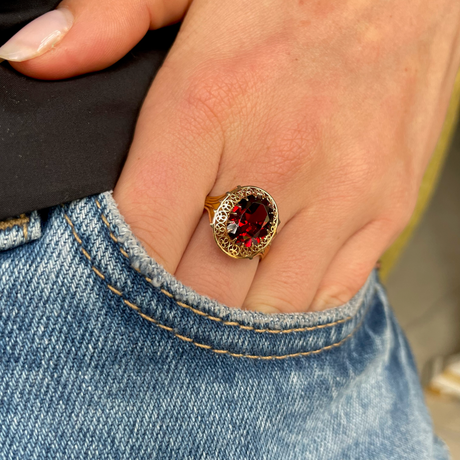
(83, 36)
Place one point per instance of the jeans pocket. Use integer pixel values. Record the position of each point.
(117, 257)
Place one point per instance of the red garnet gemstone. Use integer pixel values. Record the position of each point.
(248, 221)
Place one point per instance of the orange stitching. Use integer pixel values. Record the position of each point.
(68, 220)
(133, 306)
(208, 347)
(83, 250)
(104, 219)
(98, 273)
(216, 318)
(22, 220)
(24, 227)
(76, 236)
(166, 293)
(116, 291)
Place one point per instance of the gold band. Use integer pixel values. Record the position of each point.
(212, 203)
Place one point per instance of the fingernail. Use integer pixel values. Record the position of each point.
(319, 305)
(329, 300)
(38, 36)
(267, 309)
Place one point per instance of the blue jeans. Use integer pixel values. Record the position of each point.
(105, 355)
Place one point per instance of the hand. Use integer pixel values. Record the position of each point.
(332, 107)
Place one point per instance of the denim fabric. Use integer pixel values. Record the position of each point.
(15, 232)
(104, 355)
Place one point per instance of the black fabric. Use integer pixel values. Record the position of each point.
(64, 140)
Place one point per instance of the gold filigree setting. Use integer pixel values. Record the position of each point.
(220, 208)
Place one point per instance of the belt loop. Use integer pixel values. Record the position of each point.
(16, 231)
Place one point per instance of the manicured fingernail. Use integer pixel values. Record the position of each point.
(38, 36)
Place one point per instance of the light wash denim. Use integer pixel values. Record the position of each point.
(104, 355)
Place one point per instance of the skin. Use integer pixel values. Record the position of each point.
(333, 107)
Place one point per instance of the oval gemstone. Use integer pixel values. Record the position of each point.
(249, 220)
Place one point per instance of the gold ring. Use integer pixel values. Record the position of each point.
(244, 221)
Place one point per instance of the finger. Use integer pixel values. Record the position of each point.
(164, 183)
(351, 266)
(213, 273)
(288, 278)
(84, 36)
(204, 266)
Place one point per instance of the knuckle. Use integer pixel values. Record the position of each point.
(353, 178)
(398, 208)
(396, 221)
(286, 150)
(291, 150)
(216, 88)
(402, 217)
(360, 171)
(213, 95)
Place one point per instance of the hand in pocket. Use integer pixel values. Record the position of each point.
(333, 108)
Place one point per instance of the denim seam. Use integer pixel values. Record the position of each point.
(188, 339)
(207, 315)
(22, 220)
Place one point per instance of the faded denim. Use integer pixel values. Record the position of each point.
(104, 355)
